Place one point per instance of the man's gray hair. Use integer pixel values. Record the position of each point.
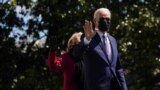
(101, 10)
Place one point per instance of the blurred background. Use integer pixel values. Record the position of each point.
(27, 25)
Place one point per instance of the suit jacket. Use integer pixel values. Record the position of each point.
(65, 64)
(99, 71)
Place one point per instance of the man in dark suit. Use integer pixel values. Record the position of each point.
(102, 68)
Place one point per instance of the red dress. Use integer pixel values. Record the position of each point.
(66, 64)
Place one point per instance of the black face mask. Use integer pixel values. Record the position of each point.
(104, 24)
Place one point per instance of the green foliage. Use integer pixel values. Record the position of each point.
(135, 25)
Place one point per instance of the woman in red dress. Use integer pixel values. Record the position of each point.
(67, 64)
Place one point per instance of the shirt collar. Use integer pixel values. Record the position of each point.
(101, 33)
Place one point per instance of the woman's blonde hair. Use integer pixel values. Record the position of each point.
(73, 40)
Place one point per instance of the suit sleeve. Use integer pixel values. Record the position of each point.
(54, 62)
(120, 75)
(79, 49)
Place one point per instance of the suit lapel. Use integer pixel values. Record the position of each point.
(101, 53)
(96, 46)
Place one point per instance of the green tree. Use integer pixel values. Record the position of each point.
(135, 24)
